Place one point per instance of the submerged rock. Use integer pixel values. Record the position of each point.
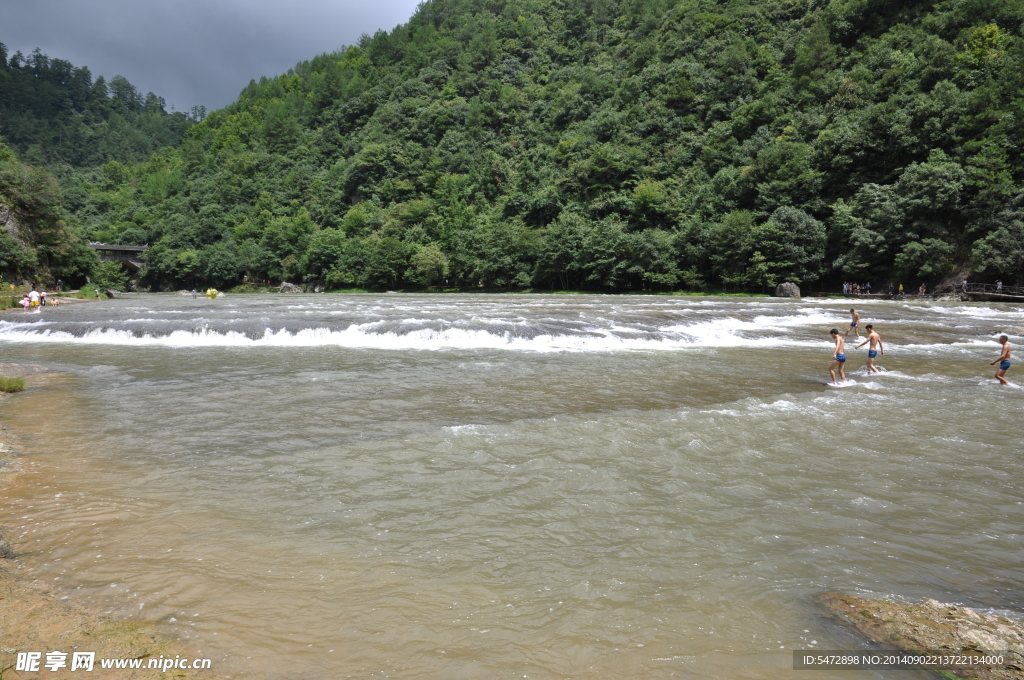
(6, 551)
(934, 626)
(289, 288)
(22, 370)
(787, 289)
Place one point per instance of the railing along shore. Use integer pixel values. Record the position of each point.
(964, 292)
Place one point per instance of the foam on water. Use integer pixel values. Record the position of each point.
(717, 333)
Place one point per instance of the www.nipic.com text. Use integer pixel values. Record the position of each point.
(30, 662)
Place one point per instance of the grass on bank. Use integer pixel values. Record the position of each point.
(11, 385)
(89, 290)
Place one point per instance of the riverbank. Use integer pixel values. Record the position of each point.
(37, 618)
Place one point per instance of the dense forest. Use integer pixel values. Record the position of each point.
(602, 145)
(36, 239)
(52, 113)
(56, 120)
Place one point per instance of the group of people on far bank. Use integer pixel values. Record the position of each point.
(35, 298)
(875, 347)
(852, 288)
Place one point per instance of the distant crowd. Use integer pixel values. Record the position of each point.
(852, 288)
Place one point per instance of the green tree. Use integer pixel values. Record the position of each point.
(110, 275)
(431, 264)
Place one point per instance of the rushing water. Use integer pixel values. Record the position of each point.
(416, 486)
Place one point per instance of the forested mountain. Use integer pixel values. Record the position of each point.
(605, 145)
(36, 241)
(52, 112)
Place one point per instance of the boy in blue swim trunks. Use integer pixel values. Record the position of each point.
(854, 320)
(838, 356)
(1003, 360)
(874, 348)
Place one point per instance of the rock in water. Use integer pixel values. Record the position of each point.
(6, 551)
(22, 370)
(933, 627)
(289, 288)
(787, 289)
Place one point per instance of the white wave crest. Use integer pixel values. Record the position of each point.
(711, 334)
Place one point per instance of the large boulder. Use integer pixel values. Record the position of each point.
(936, 627)
(289, 288)
(787, 289)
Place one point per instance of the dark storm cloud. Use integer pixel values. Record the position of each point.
(192, 51)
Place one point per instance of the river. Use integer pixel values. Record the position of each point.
(513, 486)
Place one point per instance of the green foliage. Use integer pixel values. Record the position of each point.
(91, 291)
(11, 385)
(1002, 250)
(36, 241)
(431, 265)
(613, 146)
(110, 275)
(52, 112)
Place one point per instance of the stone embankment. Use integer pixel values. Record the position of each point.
(932, 626)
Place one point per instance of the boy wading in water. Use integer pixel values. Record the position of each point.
(1003, 360)
(874, 348)
(838, 357)
(854, 320)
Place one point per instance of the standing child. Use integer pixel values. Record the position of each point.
(873, 349)
(1004, 360)
(854, 320)
(838, 356)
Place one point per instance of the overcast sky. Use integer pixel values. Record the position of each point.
(192, 51)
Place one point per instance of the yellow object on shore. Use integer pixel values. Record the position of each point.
(211, 293)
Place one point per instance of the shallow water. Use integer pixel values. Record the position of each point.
(417, 486)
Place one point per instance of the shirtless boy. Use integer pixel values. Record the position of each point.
(874, 348)
(838, 356)
(1003, 360)
(854, 320)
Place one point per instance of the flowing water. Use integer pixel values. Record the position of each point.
(512, 486)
